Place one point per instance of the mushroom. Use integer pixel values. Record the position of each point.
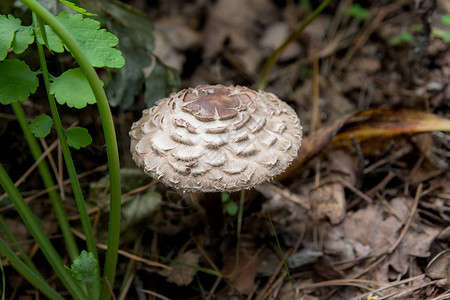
(216, 138)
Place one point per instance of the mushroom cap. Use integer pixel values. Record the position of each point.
(216, 138)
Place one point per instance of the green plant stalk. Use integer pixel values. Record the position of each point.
(3, 281)
(110, 140)
(23, 256)
(39, 236)
(270, 62)
(281, 253)
(46, 176)
(129, 271)
(34, 278)
(76, 187)
(79, 198)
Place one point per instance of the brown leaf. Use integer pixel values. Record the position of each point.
(328, 200)
(242, 274)
(388, 123)
(439, 268)
(311, 146)
(183, 269)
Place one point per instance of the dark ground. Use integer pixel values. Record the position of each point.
(363, 214)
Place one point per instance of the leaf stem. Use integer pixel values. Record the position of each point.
(18, 249)
(270, 62)
(78, 194)
(110, 140)
(46, 176)
(39, 236)
(34, 278)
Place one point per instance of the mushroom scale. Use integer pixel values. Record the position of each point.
(216, 138)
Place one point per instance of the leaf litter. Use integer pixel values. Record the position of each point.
(347, 213)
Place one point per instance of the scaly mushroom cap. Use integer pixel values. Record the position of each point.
(216, 138)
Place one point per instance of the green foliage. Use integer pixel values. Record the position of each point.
(358, 12)
(137, 44)
(444, 35)
(3, 281)
(161, 82)
(76, 8)
(17, 81)
(41, 126)
(78, 137)
(225, 197)
(445, 19)
(96, 43)
(402, 39)
(91, 46)
(72, 88)
(84, 268)
(231, 207)
(13, 34)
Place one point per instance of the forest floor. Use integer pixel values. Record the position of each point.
(364, 213)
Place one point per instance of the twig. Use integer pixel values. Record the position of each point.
(125, 253)
(66, 182)
(31, 169)
(365, 35)
(315, 88)
(409, 220)
(155, 294)
(390, 285)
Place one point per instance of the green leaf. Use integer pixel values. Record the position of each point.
(17, 81)
(232, 208)
(41, 125)
(445, 19)
(72, 88)
(358, 12)
(96, 43)
(446, 37)
(13, 34)
(128, 82)
(76, 8)
(24, 37)
(3, 281)
(402, 39)
(161, 82)
(84, 268)
(225, 197)
(78, 137)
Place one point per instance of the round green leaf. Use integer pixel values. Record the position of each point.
(8, 26)
(17, 81)
(41, 125)
(445, 20)
(78, 137)
(232, 208)
(72, 88)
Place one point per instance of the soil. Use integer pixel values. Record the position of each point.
(362, 214)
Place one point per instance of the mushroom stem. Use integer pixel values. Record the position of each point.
(213, 208)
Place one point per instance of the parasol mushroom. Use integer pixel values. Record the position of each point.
(216, 138)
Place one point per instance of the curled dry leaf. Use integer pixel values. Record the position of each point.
(388, 123)
(216, 138)
(372, 124)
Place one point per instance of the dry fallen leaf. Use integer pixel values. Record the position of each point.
(328, 201)
(183, 269)
(242, 274)
(370, 231)
(388, 123)
(439, 268)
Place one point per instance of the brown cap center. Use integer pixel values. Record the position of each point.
(214, 103)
